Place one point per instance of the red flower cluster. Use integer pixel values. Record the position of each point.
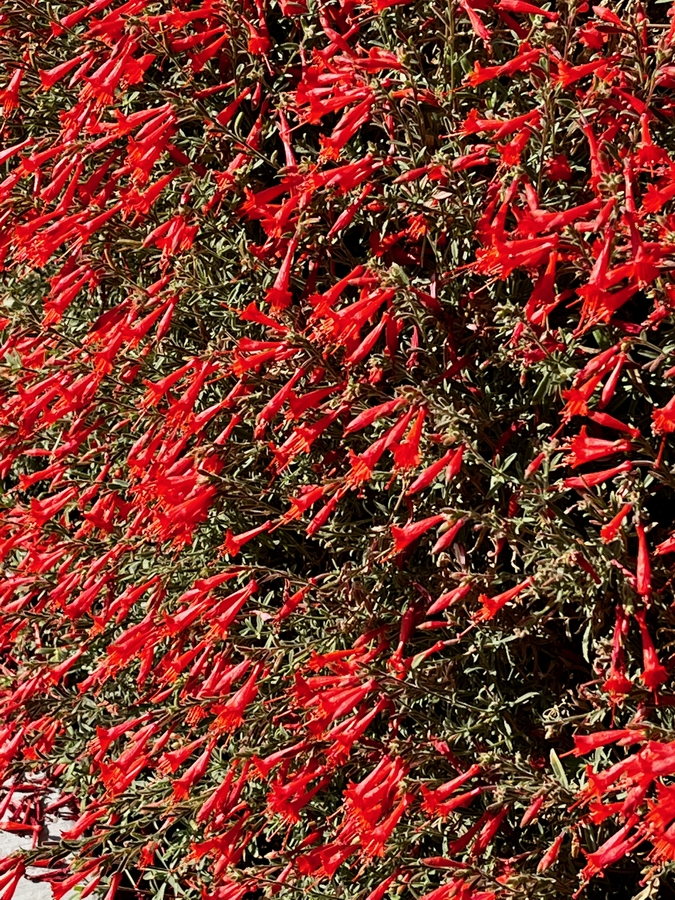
(336, 408)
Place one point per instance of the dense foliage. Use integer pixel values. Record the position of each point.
(336, 436)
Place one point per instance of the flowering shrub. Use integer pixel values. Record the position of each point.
(338, 393)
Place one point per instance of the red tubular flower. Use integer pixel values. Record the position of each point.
(333, 704)
(653, 673)
(325, 512)
(614, 849)
(434, 799)
(551, 855)
(585, 743)
(512, 151)
(289, 795)
(182, 785)
(61, 888)
(459, 889)
(224, 117)
(609, 531)
(10, 96)
(532, 811)
(379, 5)
(599, 364)
(348, 125)
(405, 535)
(348, 732)
(430, 473)
(360, 353)
(617, 683)
(584, 482)
(230, 715)
(667, 546)
(521, 63)
(379, 892)
(234, 543)
(406, 454)
(558, 168)
(447, 538)
(577, 397)
(607, 421)
(535, 465)
(609, 389)
(585, 449)
(644, 572)
(42, 511)
(449, 598)
(455, 464)
(276, 403)
(521, 6)
(85, 821)
(492, 605)
(368, 416)
(345, 218)
(488, 831)
(374, 840)
(664, 418)
(49, 77)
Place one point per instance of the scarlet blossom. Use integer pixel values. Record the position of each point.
(49, 77)
(9, 97)
(586, 743)
(521, 6)
(667, 546)
(376, 838)
(182, 785)
(512, 151)
(535, 465)
(234, 543)
(290, 793)
(592, 36)
(325, 512)
(407, 534)
(614, 849)
(586, 449)
(490, 827)
(147, 856)
(551, 855)
(532, 811)
(664, 418)
(452, 458)
(609, 531)
(644, 574)
(43, 510)
(578, 397)
(406, 453)
(584, 482)
(617, 684)
(458, 889)
(599, 363)
(653, 673)
(607, 421)
(558, 168)
(612, 382)
(447, 538)
(231, 714)
(449, 598)
(492, 605)
(380, 891)
(522, 62)
(434, 800)
(473, 124)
